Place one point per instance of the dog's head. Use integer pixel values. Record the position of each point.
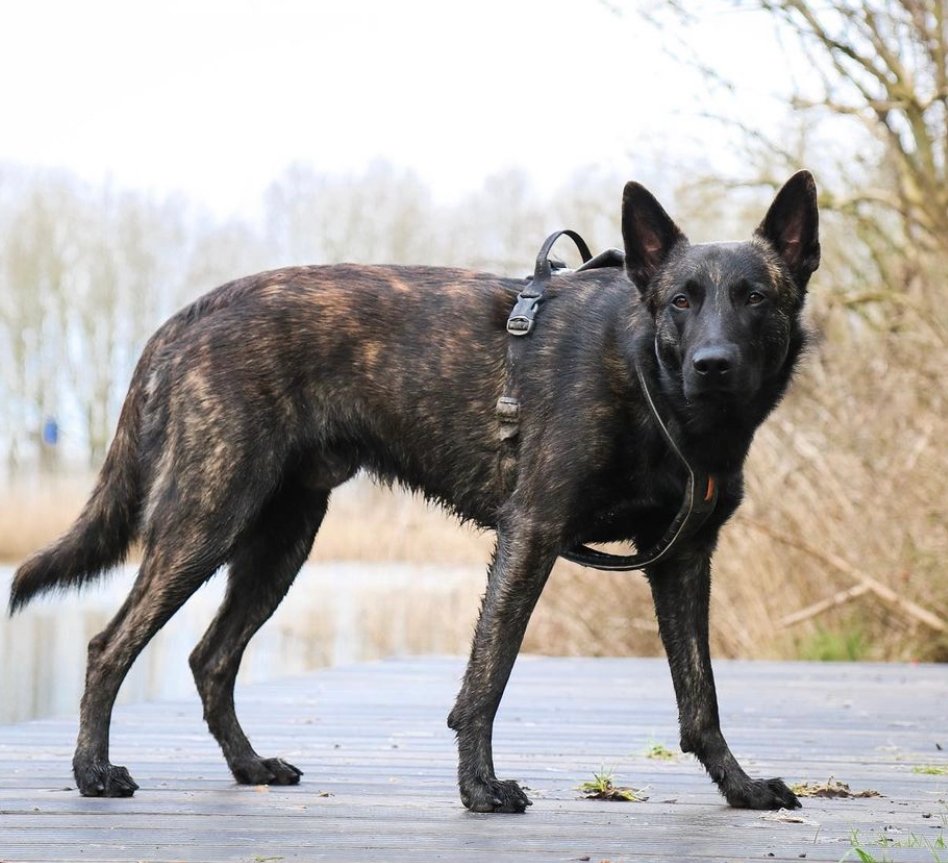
(726, 314)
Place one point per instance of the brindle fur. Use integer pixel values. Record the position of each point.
(248, 407)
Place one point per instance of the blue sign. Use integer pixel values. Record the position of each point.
(50, 431)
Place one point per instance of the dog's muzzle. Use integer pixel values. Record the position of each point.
(716, 370)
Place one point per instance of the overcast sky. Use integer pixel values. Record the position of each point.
(214, 98)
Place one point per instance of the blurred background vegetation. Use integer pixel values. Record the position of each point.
(840, 549)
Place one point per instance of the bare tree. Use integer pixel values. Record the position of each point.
(35, 266)
(876, 85)
(846, 482)
(382, 215)
(221, 252)
(500, 227)
(882, 64)
(85, 274)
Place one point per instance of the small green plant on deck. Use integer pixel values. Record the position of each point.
(884, 841)
(659, 752)
(931, 769)
(602, 788)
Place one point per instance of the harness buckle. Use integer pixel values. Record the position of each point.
(521, 319)
(508, 414)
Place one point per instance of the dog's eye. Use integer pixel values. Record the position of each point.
(681, 302)
(755, 298)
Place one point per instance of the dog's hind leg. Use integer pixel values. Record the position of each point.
(169, 575)
(262, 569)
(521, 565)
(681, 590)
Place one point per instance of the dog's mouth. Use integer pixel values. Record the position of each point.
(724, 392)
(731, 390)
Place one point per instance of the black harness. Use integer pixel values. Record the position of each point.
(701, 493)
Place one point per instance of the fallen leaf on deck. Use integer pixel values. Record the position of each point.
(830, 788)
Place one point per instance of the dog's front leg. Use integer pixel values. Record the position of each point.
(682, 591)
(522, 562)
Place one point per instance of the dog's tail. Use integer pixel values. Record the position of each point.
(101, 536)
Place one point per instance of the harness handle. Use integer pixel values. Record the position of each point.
(544, 269)
(524, 312)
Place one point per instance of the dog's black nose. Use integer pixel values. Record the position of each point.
(715, 360)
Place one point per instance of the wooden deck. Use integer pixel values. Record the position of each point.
(380, 770)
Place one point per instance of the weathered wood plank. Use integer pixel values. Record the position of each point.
(372, 737)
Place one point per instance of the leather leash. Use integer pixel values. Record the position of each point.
(701, 497)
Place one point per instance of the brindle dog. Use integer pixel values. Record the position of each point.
(250, 405)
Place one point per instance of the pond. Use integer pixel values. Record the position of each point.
(335, 613)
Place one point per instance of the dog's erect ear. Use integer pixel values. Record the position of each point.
(649, 234)
(792, 226)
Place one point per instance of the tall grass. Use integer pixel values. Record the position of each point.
(35, 510)
(364, 523)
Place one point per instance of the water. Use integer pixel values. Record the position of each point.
(335, 613)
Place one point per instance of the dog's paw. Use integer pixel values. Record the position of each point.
(763, 794)
(266, 771)
(494, 795)
(104, 780)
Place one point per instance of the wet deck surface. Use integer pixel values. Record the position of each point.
(379, 767)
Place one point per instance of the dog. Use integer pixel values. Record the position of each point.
(248, 407)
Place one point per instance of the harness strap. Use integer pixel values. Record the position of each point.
(520, 323)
